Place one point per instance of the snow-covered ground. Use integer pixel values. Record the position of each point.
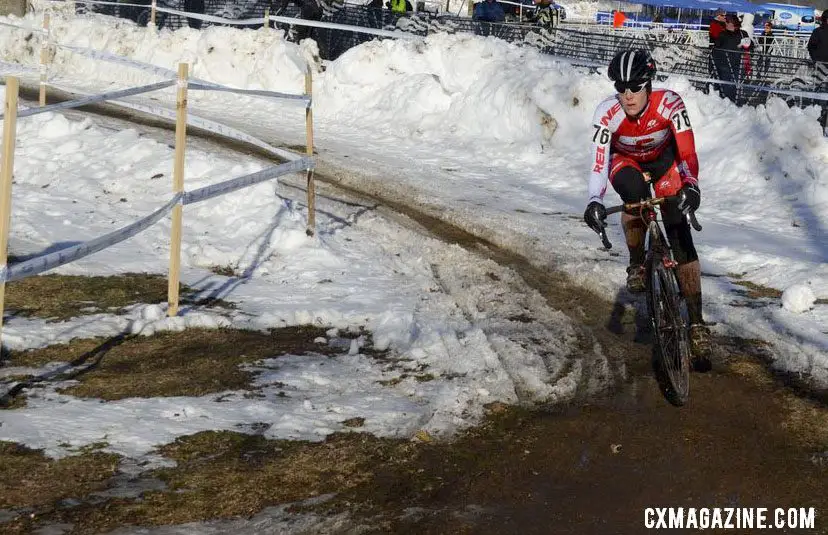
(489, 136)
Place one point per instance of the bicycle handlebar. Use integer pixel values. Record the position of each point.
(648, 203)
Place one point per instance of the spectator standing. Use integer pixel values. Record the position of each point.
(728, 56)
(399, 7)
(818, 50)
(765, 41)
(717, 26)
(308, 10)
(489, 11)
(375, 13)
(546, 14)
(818, 43)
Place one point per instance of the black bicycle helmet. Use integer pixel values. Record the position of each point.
(632, 66)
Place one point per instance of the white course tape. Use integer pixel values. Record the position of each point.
(214, 190)
(815, 95)
(210, 18)
(254, 92)
(212, 126)
(198, 122)
(291, 20)
(194, 83)
(28, 28)
(95, 98)
(37, 265)
(11, 69)
(31, 267)
(119, 4)
(114, 58)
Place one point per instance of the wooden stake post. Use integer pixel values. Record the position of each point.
(6, 173)
(309, 131)
(44, 59)
(178, 187)
(152, 13)
(267, 19)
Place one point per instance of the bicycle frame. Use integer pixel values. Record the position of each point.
(657, 244)
(648, 205)
(664, 299)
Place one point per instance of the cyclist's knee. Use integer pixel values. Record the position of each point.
(628, 182)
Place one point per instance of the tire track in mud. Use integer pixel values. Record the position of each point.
(592, 466)
(526, 333)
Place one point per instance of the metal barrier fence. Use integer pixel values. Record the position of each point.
(745, 78)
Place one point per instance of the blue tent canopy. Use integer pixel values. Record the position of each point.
(735, 6)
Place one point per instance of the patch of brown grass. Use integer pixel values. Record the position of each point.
(226, 271)
(67, 352)
(757, 291)
(808, 420)
(225, 474)
(61, 297)
(193, 362)
(30, 479)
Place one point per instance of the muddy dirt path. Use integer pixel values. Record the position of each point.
(744, 439)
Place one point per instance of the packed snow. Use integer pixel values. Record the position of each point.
(487, 135)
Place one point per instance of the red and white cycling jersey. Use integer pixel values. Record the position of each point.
(642, 140)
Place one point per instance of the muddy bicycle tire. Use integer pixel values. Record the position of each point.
(672, 344)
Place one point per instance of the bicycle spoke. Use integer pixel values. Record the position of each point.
(670, 334)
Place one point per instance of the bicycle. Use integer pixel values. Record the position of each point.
(664, 300)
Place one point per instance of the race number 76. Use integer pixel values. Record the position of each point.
(681, 120)
(601, 136)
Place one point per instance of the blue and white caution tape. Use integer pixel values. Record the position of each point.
(214, 127)
(34, 266)
(193, 83)
(211, 18)
(199, 122)
(27, 28)
(214, 190)
(12, 69)
(768, 89)
(255, 92)
(119, 4)
(292, 21)
(114, 58)
(95, 98)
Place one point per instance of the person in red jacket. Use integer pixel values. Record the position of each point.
(717, 25)
(643, 138)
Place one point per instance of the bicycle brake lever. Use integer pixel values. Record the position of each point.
(693, 221)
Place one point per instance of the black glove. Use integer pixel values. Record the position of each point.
(596, 216)
(689, 198)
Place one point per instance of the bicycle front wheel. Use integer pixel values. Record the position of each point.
(672, 343)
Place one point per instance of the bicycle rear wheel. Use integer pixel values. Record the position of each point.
(671, 337)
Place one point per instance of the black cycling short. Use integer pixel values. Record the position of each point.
(630, 184)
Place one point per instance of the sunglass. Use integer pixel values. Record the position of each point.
(632, 87)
